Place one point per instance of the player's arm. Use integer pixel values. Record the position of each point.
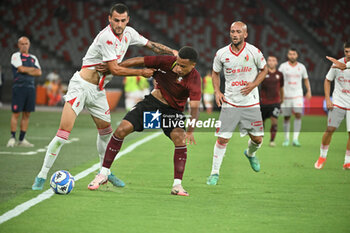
(308, 88)
(338, 64)
(327, 91)
(219, 96)
(133, 62)
(194, 111)
(251, 85)
(32, 71)
(119, 70)
(160, 48)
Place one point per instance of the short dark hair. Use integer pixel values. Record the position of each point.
(347, 44)
(119, 8)
(189, 53)
(293, 49)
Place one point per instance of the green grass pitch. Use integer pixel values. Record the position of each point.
(288, 195)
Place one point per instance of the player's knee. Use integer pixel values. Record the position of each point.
(223, 140)
(257, 140)
(330, 130)
(121, 132)
(178, 137)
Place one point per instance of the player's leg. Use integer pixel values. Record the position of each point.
(347, 155)
(251, 124)
(68, 118)
(273, 130)
(229, 118)
(287, 112)
(335, 117)
(28, 107)
(14, 120)
(177, 135)
(298, 106)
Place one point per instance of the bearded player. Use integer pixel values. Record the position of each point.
(177, 80)
(339, 106)
(245, 68)
(271, 94)
(86, 87)
(293, 73)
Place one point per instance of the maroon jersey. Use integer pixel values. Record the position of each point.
(271, 88)
(174, 89)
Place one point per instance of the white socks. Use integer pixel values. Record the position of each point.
(52, 152)
(176, 182)
(286, 128)
(219, 153)
(103, 137)
(105, 171)
(347, 157)
(324, 151)
(252, 148)
(297, 128)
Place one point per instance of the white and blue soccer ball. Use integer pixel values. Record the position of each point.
(62, 182)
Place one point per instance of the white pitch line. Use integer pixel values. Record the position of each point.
(49, 193)
(35, 151)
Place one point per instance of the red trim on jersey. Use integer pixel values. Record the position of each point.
(344, 60)
(292, 65)
(246, 106)
(72, 101)
(100, 84)
(341, 107)
(111, 60)
(240, 51)
(120, 39)
(86, 66)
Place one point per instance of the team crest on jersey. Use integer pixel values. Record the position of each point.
(227, 60)
(247, 57)
(109, 42)
(277, 76)
(179, 80)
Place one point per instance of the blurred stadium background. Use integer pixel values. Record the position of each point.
(61, 30)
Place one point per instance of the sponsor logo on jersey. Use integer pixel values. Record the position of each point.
(227, 60)
(342, 79)
(239, 70)
(109, 42)
(239, 83)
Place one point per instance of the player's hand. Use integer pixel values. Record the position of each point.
(329, 104)
(337, 64)
(175, 52)
(190, 138)
(219, 98)
(103, 68)
(147, 72)
(248, 88)
(308, 95)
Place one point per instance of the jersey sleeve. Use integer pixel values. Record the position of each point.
(196, 89)
(16, 60)
(259, 59)
(36, 63)
(331, 74)
(136, 38)
(159, 62)
(280, 69)
(106, 46)
(304, 73)
(217, 64)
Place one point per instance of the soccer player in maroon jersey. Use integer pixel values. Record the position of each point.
(177, 79)
(271, 95)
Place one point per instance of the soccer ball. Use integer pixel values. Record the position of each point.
(62, 182)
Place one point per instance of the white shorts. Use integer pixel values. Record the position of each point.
(82, 94)
(248, 119)
(337, 115)
(295, 105)
(208, 97)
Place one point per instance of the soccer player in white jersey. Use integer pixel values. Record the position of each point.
(245, 68)
(293, 72)
(86, 88)
(338, 109)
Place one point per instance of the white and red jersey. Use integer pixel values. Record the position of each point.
(107, 46)
(293, 87)
(239, 69)
(341, 93)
